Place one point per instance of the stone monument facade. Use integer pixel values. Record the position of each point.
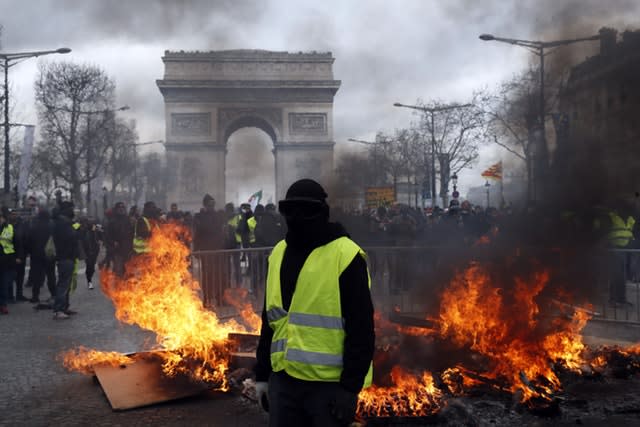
(210, 95)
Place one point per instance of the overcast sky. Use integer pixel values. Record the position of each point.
(384, 51)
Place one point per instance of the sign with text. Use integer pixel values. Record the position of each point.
(379, 196)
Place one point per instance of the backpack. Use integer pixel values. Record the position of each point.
(50, 248)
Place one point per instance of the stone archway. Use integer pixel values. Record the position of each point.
(210, 95)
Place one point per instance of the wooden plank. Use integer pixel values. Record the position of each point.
(143, 383)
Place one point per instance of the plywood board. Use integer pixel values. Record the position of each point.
(142, 383)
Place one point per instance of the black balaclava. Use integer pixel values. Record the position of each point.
(305, 226)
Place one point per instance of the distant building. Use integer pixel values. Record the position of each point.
(598, 129)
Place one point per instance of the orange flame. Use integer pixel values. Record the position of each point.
(519, 346)
(83, 359)
(411, 394)
(237, 297)
(158, 293)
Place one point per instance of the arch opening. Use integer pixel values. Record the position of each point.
(249, 164)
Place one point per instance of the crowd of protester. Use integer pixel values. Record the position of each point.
(52, 243)
(122, 233)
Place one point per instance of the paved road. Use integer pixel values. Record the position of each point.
(36, 390)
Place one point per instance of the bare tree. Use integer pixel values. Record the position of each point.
(41, 177)
(513, 118)
(122, 160)
(69, 97)
(456, 133)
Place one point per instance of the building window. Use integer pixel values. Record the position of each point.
(609, 102)
(596, 106)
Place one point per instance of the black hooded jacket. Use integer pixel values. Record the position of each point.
(355, 300)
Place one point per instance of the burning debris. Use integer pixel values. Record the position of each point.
(499, 332)
(511, 339)
(158, 294)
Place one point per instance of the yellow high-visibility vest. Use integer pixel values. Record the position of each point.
(621, 233)
(140, 245)
(308, 340)
(233, 222)
(251, 222)
(6, 240)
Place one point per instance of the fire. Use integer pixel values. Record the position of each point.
(513, 347)
(237, 297)
(409, 394)
(83, 359)
(504, 326)
(159, 294)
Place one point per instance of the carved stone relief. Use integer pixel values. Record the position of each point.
(307, 123)
(228, 115)
(191, 124)
(251, 68)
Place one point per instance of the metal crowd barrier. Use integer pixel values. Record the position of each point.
(404, 278)
(219, 270)
(627, 264)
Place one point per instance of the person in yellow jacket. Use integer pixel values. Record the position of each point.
(143, 227)
(317, 338)
(10, 255)
(233, 240)
(619, 236)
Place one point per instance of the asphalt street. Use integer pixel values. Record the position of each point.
(36, 390)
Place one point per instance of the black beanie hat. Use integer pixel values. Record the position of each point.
(306, 189)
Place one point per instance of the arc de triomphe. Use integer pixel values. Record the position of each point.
(210, 95)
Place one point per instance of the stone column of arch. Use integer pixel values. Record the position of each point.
(210, 95)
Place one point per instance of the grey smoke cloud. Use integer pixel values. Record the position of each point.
(385, 52)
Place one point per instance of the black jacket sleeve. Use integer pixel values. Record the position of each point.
(263, 353)
(357, 311)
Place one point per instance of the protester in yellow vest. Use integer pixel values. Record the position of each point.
(233, 239)
(11, 254)
(317, 338)
(620, 236)
(246, 226)
(143, 228)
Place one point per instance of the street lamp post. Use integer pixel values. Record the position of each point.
(8, 60)
(454, 181)
(487, 186)
(432, 111)
(538, 48)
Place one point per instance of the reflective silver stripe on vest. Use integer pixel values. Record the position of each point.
(314, 358)
(276, 313)
(316, 320)
(279, 345)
